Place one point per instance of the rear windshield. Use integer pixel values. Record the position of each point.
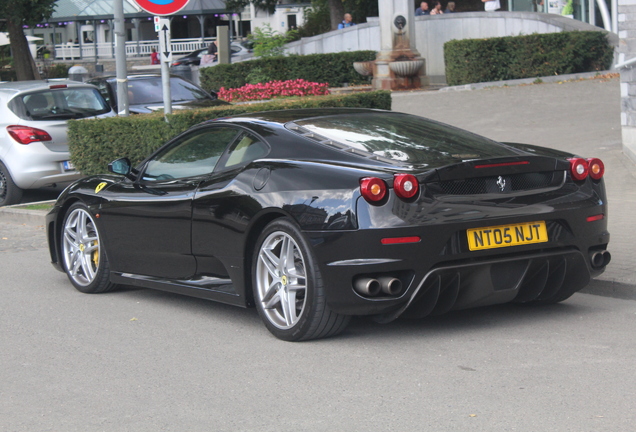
(404, 138)
(150, 91)
(59, 104)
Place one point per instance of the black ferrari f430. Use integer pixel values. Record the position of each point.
(314, 216)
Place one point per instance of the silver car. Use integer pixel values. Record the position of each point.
(33, 143)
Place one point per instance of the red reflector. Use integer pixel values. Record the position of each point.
(399, 240)
(58, 86)
(27, 135)
(502, 164)
(595, 217)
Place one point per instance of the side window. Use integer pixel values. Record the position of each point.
(193, 155)
(246, 149)
(102, 86)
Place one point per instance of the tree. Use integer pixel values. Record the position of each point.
(18, 13)
(237, 5)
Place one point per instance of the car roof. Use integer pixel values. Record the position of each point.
(25, 86)
(285, 116)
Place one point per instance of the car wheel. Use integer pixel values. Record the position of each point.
(84, 259)
(288, 289)
(9, 192)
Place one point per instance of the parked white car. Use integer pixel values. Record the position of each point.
(33, 141)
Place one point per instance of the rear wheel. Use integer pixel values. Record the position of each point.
(9, 192)
(288, 289)
(84, 260)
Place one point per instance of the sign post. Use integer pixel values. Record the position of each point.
(162, 8)
(165, 53)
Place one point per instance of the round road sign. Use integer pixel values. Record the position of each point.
(162, 7)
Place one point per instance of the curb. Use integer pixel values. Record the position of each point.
(17, 215)
(526, 81)
(611, 289)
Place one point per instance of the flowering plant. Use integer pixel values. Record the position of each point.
(273, 89)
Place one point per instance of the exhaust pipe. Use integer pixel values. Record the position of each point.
(390, 285)
(600, 259)
(367, 287)
(607, 257)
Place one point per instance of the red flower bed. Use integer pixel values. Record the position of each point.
(273, 89)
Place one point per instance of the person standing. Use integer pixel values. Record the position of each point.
(437, 8)
(491, 5)
(422, 10)
(154, 57)
(450, 7)
(347, 22)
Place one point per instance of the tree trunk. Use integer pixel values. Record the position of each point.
(336, 13)
(25, 68)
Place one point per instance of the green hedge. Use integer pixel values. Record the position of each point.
(95, 143)
(334, 69)
(496, 59)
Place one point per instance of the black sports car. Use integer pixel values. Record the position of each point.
(314, 216)
(145, 93)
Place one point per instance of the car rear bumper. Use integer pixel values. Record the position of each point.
(439, 273)
(34, 166)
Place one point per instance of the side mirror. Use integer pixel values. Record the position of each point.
(122, 167)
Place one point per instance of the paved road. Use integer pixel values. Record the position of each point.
(143, 360)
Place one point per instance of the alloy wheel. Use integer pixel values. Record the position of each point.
(81, 247)
(281, 281)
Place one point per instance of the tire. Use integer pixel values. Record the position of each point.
(278, 283)
(10, 193)
(83, 257)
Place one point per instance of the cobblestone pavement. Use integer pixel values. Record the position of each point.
(21, 237)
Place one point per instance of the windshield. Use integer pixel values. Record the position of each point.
(404, 138)
(149, 91)
(59, 104)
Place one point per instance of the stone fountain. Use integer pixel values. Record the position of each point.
(398, 65)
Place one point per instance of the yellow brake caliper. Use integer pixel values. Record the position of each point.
(96, 255)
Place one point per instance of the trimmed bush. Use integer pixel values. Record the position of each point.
(496, 59)
(334, 69)
(95, 143)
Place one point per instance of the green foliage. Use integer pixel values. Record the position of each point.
(514, 57)
(317, 20)
(29, 12)
(237, 5)
(333, 68)
(257, 75)
(58, 70)
(269, 43)
(94, 143)
(568, 9)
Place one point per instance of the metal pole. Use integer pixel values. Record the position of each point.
(120, 59)
(165, 48)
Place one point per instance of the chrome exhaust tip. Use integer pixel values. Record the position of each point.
(390, 285)
(367, 286)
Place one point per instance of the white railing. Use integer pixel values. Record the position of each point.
(133, 48)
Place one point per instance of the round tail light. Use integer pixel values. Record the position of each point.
(596, 168)
(373, 189)
(579, 168)
(405, 185)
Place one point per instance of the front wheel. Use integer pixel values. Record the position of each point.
(288, 289)
(10, 193)
(84, 260)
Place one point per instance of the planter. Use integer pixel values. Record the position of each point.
(406, 68)
(364, 68)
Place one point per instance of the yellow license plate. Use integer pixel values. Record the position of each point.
(507, 235)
